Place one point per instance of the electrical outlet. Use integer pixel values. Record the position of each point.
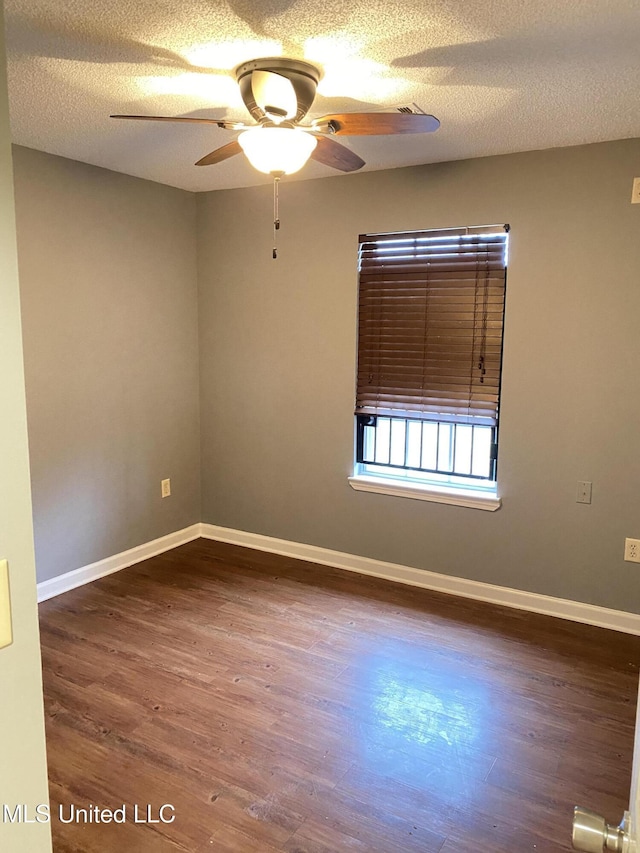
(635, 193)
(584, 492)
(166, 488)
(632, 550)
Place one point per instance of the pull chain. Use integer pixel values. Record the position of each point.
(276, 219)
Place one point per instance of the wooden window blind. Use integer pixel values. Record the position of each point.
(430, 317)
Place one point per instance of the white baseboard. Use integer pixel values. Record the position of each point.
(86, 574)
(575, 611)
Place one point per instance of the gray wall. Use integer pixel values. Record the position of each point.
(109, 290)
(110, 313)
(23, 772)
(277, 351)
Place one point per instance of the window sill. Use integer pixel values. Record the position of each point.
(436, 494)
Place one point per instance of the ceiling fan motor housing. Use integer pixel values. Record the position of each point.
(304, 78)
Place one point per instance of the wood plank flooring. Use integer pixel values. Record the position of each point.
(282, 706)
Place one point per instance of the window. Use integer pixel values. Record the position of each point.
(430, 320)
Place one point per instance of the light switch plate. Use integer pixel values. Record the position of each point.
(6, 634)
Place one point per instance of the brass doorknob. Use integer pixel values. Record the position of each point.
(592, 834)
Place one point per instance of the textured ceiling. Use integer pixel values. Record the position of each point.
(500, 76)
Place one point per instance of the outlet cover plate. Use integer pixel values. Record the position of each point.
(635, 193)
(6, 633)
(632, 550)
(583, 495)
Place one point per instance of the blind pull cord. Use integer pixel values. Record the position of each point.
(485, 311)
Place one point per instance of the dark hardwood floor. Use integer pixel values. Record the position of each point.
(282, 706)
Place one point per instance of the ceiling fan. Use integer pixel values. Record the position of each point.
(278, 93)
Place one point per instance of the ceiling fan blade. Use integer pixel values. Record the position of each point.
(334, 154)
(220, 154)
(274, 94)
(376, 124)
(227, 125)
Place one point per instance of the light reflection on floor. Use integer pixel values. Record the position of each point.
(425, 729)
(419, 714)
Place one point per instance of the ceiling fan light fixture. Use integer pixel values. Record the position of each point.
(279, 150)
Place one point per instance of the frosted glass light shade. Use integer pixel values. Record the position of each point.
(277, 149)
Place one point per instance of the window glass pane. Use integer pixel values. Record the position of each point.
(383, 437)
(369, 443)
(462, 454)
(398, 437)
(414, 432)
(429, 446)
(481, 464)
(445, 447)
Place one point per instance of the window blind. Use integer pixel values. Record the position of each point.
(430, 317)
